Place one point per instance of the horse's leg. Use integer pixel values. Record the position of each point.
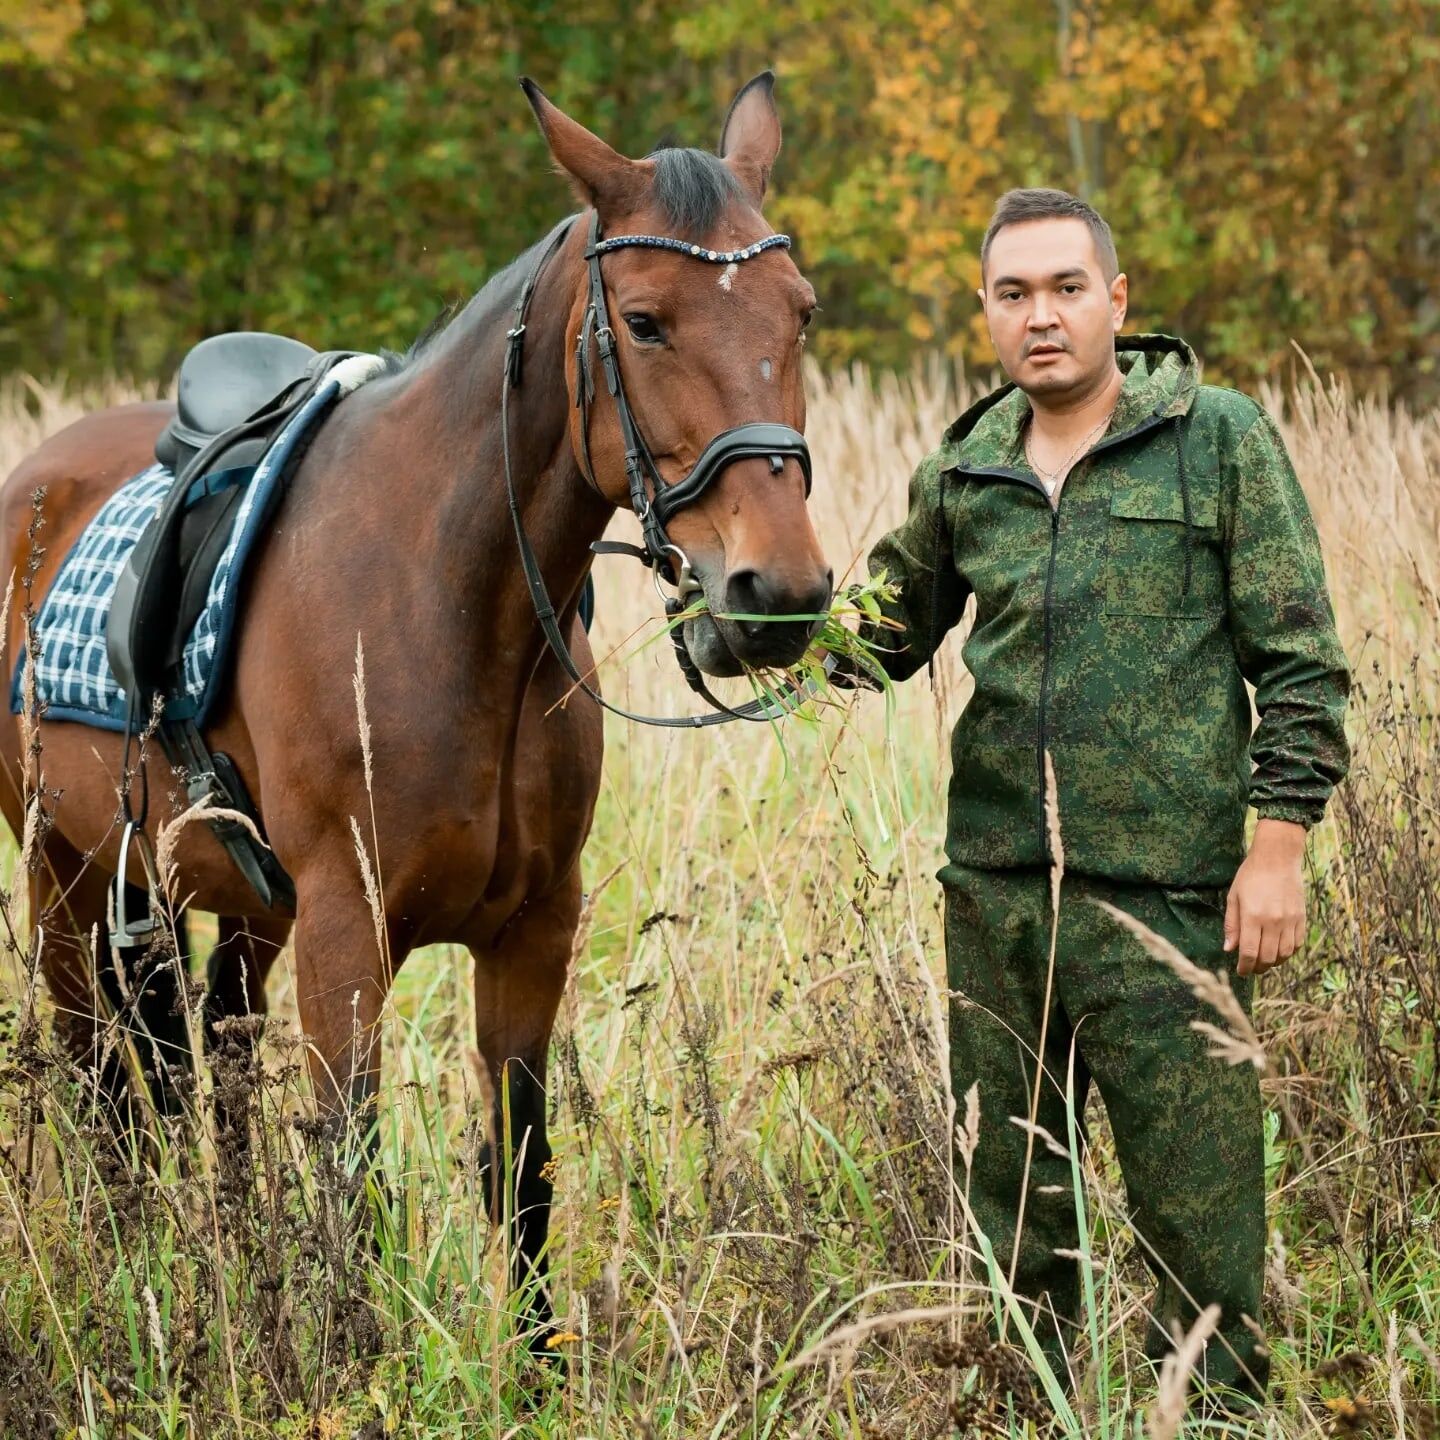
(68, 908)
(148, 1001)
(159, 982)
(341, 979)
(518, 985)
(244, 951)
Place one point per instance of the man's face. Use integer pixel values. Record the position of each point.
(1053, 316)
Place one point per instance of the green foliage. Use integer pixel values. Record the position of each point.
(341, 171)
(793, 1261)
(839, 638)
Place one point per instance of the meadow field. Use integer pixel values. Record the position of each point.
(760, 1216)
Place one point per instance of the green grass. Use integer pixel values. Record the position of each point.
(755, 1222)
(750, 1125)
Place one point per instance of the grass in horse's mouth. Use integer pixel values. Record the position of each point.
(859, 602)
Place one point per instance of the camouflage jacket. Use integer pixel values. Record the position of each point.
(1116, 629)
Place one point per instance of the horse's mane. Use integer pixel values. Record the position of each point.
(691, 188)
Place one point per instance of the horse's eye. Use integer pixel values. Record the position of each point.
(644, 329)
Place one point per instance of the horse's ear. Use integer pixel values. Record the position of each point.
(601, 177)
(750, 137)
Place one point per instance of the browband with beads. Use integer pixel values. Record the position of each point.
(699, 252)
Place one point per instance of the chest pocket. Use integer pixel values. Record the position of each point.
(1145, 551)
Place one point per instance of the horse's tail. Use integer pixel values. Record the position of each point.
(151, 1006)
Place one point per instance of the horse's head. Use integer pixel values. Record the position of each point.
(703, 347)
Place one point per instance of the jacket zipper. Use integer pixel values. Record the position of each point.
(1001, 473)
(1045, 670)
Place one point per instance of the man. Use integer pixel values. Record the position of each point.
(1138, 546)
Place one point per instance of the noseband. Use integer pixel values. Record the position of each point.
(653, 501)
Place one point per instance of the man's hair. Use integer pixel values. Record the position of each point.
(1015, 207)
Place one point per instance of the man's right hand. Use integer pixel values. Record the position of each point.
(847, 673)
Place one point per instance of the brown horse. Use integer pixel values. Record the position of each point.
(395, 529)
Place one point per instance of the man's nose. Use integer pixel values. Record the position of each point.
(1042, 314)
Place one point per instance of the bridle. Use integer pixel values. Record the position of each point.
(653, 501)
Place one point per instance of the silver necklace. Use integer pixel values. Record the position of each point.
(1051, 478)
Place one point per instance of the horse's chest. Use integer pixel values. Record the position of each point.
(529, 820)
(547, 813)
(491, 825)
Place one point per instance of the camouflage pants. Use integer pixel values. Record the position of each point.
(1187, 1127)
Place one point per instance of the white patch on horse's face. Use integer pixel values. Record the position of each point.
(727, 277)
(765, 368)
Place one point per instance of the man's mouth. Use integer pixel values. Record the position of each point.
(1045, 348)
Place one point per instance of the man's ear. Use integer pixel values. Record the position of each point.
(750, 137)
(1119, 301)
(600, 176)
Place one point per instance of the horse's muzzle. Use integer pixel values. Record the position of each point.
(769, 622)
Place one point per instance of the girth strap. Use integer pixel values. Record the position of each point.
(214, 777)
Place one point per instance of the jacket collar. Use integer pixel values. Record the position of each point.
(1162, 375)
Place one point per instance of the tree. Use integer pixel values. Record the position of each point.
(341, 171)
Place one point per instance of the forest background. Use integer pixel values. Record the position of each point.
(341, 171)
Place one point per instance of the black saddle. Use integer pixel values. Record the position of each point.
(236, 393)
(223, 381)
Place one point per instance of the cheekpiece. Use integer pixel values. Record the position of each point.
(697, 252)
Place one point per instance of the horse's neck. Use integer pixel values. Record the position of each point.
(453, 405)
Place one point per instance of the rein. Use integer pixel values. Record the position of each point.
(656, 502)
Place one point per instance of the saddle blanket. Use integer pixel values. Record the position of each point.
(73, 680)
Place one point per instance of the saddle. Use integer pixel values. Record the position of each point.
(236, 393)
(223, 381)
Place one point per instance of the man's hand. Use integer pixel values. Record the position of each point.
(846, 672)
(1265, 914)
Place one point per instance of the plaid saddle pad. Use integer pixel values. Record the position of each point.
(73, 680)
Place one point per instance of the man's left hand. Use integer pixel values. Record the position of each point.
(1265, 914)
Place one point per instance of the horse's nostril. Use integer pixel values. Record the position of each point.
(817, 602)
(748, 594)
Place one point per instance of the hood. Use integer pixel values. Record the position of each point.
(1161, 373)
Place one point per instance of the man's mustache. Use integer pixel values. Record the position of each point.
(1054, 342)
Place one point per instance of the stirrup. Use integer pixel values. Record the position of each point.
(135, 931)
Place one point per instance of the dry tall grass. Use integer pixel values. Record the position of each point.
(755, 1229)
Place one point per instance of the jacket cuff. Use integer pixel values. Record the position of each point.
(1295, 811)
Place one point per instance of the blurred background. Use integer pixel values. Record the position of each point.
(341, 171)
(753, 1130)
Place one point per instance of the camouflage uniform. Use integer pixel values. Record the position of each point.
(1116, 629)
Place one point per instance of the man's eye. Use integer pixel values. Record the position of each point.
(644, 329)
(1071, 289)
(1009, 294)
